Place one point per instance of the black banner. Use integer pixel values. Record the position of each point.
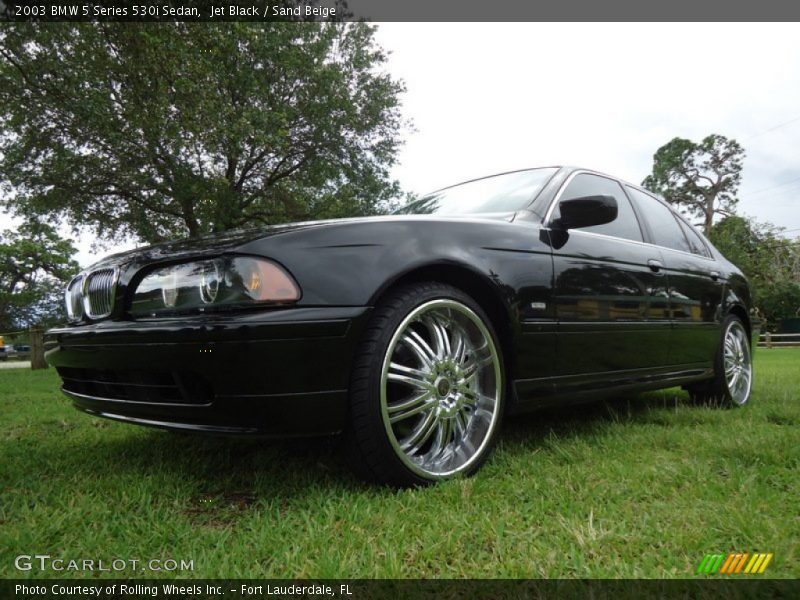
(400, 10)
(253, 589)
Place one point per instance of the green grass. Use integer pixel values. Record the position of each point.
(640, 487)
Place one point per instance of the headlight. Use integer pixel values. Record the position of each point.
(222, 282)
(74, 299)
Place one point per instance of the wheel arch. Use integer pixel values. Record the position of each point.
(739, 311)
(476, 285)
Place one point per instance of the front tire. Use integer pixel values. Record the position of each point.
(733, 369)
(427, 389)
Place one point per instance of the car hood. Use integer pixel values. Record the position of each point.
(230, 240)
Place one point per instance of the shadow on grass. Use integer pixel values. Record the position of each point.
(215, 481)
(309, 461)
(222, 479)
(579, 420)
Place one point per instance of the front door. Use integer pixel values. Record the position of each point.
(610, 290)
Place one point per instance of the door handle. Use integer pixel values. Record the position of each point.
(714, 275)
(655, 265)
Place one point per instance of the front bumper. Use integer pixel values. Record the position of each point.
(280, 372)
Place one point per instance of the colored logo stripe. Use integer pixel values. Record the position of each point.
(758, 563)
(734, 563)
(711, 563)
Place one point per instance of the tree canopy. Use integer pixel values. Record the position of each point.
(168, 130)
(34, 265)
(770, 262)
(702, 178)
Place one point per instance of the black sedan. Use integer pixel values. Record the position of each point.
(416, 333)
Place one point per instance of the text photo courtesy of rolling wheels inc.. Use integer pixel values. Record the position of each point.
(361, 307)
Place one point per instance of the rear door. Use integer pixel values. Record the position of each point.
(609, 290)
(695, 287)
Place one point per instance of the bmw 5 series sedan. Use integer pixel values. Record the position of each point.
(413, 334)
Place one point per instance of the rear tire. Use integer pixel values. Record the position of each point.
(733, 369)
(427, 389)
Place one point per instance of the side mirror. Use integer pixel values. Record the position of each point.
(586, 211)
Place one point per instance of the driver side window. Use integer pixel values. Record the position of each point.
(624, 226)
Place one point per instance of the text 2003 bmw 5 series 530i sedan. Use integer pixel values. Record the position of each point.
(416, 333)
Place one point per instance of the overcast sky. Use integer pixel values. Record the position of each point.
(486, 98)
(493, 97)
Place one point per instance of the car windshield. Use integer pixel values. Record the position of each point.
(509, 192)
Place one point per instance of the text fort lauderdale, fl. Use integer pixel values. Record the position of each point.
(272, 11)
(170, 589)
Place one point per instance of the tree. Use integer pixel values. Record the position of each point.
(701, 178)
(35, 263)
(782, 301)
(770, 262)
(166, 130)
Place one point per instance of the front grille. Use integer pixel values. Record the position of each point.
(74, 299)
(170, 387)
(99, 288)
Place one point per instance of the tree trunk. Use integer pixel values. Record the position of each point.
(709, 210)
(37, 349)
(189, 219)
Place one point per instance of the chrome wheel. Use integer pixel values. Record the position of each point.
(441, 389)
(737, 363)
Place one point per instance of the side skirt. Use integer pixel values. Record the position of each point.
(532, 394)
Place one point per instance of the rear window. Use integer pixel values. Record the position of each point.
(663, 223)
(695, 241)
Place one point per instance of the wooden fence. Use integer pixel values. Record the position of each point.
(779, 340)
